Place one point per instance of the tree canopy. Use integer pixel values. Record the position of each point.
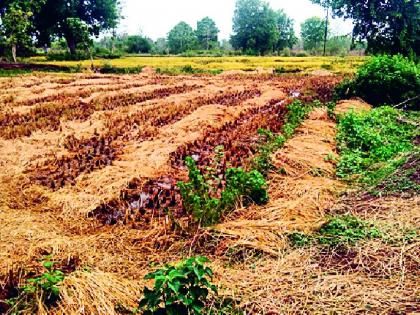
(285, 29)
(259, 29)
(391, 26)
(312, 32)
(181, 38)
(207, 33)
(54, 19)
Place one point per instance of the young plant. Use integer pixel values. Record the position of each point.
(47, 284)
(180, 289)
(196, 196)
(199, 195)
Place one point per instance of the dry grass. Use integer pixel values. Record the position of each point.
(252, 258)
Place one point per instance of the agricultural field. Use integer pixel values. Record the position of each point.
(216, 64)
(90, 166)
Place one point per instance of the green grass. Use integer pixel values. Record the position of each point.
(341, 230)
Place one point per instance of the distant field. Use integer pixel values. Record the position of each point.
(244, 63)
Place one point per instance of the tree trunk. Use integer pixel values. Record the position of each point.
(14, 52)
(71, 43)
(326, 31)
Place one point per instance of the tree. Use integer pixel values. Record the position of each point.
(138, 44)
(285, 29)
(54, 19)
(181, 38)
(207, 33)
(254, 27)
(14, 27)
(312, 33)
(161, 46)
(388, 26)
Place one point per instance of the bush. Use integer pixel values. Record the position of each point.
(198, 195)
(180, 289)
(384, 80)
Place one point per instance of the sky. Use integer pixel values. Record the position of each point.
(155, 18)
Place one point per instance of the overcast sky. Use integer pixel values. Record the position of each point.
(155, 18)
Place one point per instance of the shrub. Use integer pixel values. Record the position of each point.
(199, 193)
(180, 289)
(384, 80)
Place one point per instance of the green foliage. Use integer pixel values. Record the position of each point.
(269, 143)
(207, 33)
(388, 26)
(369, 141)
(258, 29)
(299, 239)
(14, 26)
(286, 31)
(346, 230)
(401, 176)
(384, 80)
(342, 230)
(46, 284)
(137, 44)
(312, 32)
(180, 289)
(181, 38)
(296, 113)
(198, 194)
(53, 19)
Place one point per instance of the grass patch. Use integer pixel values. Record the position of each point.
(341, 230)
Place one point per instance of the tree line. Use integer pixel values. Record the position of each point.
(383, 25)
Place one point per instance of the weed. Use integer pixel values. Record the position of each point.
(45, 287)
(342, 230)
(370, 142)
(299, 239)
(199, 195)
(346, 230)
(180, 289)
(269, 142)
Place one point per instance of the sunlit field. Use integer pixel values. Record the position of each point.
(244, 63)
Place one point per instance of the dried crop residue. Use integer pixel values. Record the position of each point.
(298, 198)
(357, 105)
(112, 260)
(377, 276)
(147, 159)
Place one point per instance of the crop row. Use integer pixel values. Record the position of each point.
(139, 202)
(48, 116)
(81, 93)
(99, 151)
